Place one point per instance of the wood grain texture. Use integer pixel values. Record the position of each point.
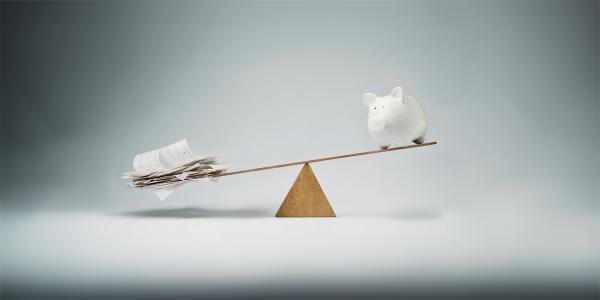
(323, 159)
(305, 198)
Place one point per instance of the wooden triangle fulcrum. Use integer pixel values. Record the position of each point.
(305, 198)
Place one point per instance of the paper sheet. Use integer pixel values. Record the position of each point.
(165, 158)
(165, 169)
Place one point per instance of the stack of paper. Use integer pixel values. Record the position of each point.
(168, 168)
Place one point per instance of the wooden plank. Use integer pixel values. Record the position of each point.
(323, 159)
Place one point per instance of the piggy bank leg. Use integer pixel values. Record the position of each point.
(420, 140)
(383, 147)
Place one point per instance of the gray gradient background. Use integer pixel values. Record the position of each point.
(510, 89)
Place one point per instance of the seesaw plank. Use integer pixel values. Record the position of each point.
(323, 159)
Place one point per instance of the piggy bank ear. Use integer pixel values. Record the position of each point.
(398, 92)
(369, 98)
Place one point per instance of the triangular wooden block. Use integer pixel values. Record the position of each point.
(305, 198)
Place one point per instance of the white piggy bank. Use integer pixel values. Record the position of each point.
(395, 119)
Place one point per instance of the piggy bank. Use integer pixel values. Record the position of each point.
(395, 119)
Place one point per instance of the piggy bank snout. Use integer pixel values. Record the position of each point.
(377, 124)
